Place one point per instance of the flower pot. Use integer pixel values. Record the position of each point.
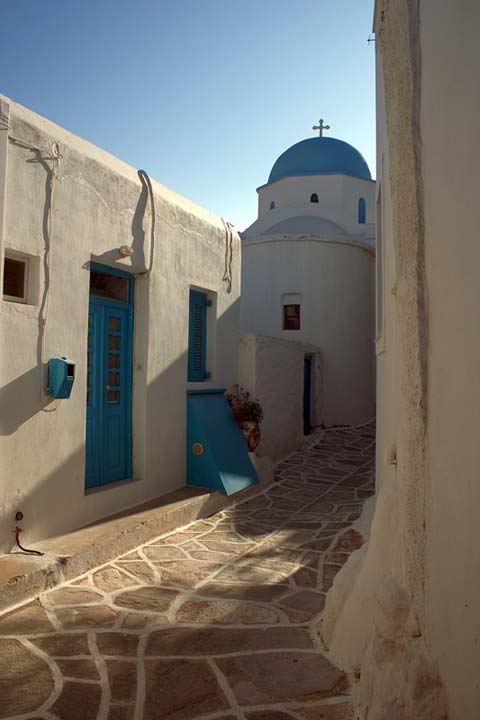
(251, 433)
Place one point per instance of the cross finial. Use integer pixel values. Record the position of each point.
(321, 127)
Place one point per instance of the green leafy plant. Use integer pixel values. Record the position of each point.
(244, 408)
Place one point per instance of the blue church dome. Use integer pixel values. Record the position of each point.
(320, 156)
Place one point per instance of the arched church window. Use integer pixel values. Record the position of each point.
(362, 211)
(272, 205)
(314, 197)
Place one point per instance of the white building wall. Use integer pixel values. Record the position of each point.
(95, 208)
(272, 370)
(338, 197)
(404, 613)
(335, 281)
(451, 180)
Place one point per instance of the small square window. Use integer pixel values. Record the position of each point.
(291, 317)
(15, 278)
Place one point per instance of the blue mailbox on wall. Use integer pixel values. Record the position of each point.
(61, 374)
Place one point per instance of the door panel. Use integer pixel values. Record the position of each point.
(108, 439)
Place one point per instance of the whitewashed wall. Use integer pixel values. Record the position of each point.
(410, 624)
(338, 197)
(335, 279)
(95, 209)
(272, 371)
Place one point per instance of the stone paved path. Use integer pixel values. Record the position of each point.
(216, 621)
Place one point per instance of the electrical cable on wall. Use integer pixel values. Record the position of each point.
(44, 156)
(144, 178)
(227, 275)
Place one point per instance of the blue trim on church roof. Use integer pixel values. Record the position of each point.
(320, 156)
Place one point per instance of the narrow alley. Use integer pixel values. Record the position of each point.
(215, 621)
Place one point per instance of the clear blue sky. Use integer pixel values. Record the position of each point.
(203, 94)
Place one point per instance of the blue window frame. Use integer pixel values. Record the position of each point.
(197, 337)
(362, 211)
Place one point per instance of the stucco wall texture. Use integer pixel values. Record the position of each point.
(406, 615)
(272, 370)
(97, 205)
(333, 279)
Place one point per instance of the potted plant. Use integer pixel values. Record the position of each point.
(248, 413)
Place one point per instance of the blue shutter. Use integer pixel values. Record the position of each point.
(362, 211)
(197, 337)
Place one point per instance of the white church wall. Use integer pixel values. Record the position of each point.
(95, 208)
(272, 370)
(336, 283)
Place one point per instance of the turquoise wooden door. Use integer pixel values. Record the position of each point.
(109, 368)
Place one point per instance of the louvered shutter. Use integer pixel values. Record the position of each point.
(197, 337)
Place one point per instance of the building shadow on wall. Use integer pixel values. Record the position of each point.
(22, 399)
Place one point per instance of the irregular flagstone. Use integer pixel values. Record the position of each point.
(329, 572)
(155, 599)
(224, 536)
(76, 668)
(338, 558)
(164, 552)
(199, 526)
(141, 570)
(291, 536)
(181, 690)
(251, 574)
(242, 591)
(122, 678)
(86, 617)
(73, 595)
(117, 643)
(217, 641)
(339, 711)
(282, 677)
(273, 553)
(26, 681)
(121, 712)
(63, 645)
(186, 573)
(176, 538)
(213, 555)
(77, 701)
(306, 600)
(135, 620)
(226, 612)
(111, 578)
(348, 542)
(305, 577)
(269, 715)
(277, 564)
(235, 548)
(27, 620)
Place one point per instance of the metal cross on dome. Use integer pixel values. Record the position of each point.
(321, 127)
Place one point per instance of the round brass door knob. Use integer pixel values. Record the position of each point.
(197, 448)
